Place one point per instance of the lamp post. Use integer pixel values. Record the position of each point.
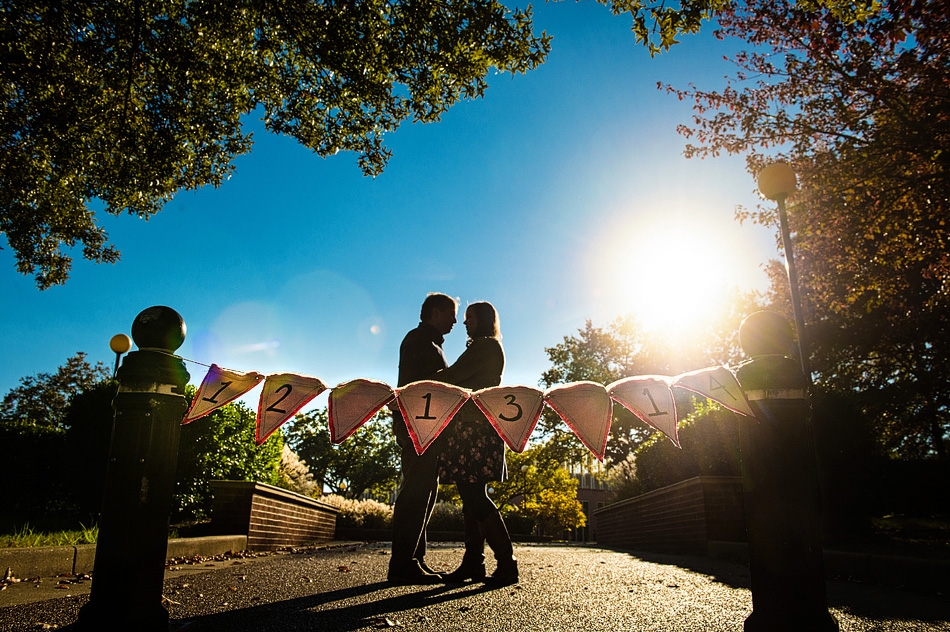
(776, 182)
(120, 343)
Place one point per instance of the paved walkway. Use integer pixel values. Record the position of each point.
(563, 588)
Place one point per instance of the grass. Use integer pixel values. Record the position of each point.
(928, 535)
(25, 536)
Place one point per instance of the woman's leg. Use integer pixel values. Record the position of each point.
(473, 561)
(476, 500)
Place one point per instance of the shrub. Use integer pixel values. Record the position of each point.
(447, 517)
(295, 474)
(36, 477)
(360, 514)
(519, 522)
(710, 441)
(221, 446)
(622, 478)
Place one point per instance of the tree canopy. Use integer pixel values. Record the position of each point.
(657, 25)
(624, 349)
(540, 490)
(41, 399)
(862, 112)
(368, 461)
(129, 101)
(120, 105)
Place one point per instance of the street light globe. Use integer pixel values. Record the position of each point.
(777, 180)
(120, 343)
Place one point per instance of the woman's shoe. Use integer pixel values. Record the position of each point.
(473, 561)
(474, 571)
(496, 534)
(505, 575)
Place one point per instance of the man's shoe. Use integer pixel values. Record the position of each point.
(412, 574)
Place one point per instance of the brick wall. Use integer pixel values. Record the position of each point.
(681, 518)
(269, 516)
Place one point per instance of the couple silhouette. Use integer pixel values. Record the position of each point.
(468, 453)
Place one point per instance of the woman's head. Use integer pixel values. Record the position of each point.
(481, 320)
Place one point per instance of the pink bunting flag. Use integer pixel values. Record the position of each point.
(513, 411)
(718, 384)
(282, 396)
(428, 407)
(648, 397)
(219, 387)
(353, 403)
(586, 408)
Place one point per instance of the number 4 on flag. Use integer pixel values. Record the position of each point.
(718, 384)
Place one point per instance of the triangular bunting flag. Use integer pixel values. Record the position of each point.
(282, 396)
(427, 408)
(586, 408)
(219, 387)
(648, 397)
(353, 403)
(512, 410)
(718, 384)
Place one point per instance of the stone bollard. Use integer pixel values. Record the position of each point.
(129, 568)
(782, 500)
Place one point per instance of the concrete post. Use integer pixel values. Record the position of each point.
(140, 480)
(782, 501)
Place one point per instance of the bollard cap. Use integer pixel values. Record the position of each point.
(766, 333)
(159, 327)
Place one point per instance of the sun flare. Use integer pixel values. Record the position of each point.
(672, 276)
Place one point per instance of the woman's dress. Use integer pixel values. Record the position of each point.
(470, 449)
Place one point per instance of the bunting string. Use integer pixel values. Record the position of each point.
(428, 406)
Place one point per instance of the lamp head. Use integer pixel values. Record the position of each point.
(120, 343)
(777, 180)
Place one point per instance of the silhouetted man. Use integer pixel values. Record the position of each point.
(420, 357)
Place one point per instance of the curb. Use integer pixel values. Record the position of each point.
(50, 561)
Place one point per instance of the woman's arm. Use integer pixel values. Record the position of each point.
(468, 366)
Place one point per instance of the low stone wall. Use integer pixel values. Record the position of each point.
(680, 518)
(269, 516)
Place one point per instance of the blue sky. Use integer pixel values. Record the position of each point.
(560, 196)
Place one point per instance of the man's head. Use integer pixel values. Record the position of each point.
(439, 310)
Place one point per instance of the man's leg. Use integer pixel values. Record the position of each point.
(420, 551)
(417, 492)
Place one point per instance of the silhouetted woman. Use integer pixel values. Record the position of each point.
(472, 453)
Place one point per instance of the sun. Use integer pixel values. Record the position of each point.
(672, 276)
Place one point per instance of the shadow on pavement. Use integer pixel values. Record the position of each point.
(729, 573)
(857, 599)
(308, 613)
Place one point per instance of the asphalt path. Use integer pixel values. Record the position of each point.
(563, 588)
